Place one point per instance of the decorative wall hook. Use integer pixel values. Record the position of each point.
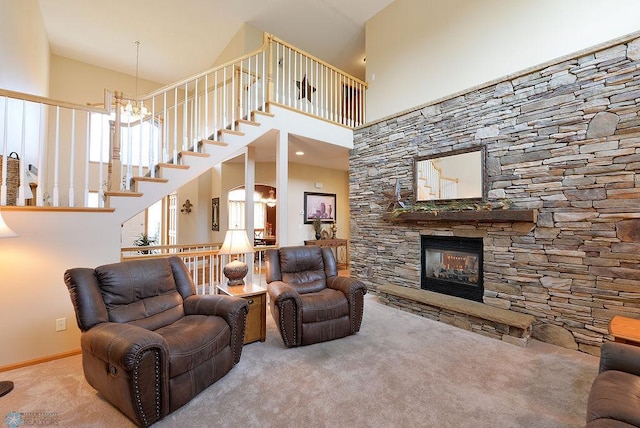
(186, 207)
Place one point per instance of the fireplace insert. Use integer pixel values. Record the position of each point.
(453, 266)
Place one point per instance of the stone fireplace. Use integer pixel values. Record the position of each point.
(452, 266)
(562, 142)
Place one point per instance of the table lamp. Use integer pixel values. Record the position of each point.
(5, 232)
(236, 242)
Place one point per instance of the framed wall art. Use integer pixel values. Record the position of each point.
(215, 214)
(321, 205)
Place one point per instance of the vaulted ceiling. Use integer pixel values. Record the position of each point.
(180, 38)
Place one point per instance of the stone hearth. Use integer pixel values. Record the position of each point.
(563, 143)
(502, 324)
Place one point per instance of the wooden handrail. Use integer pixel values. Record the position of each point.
(51, 102)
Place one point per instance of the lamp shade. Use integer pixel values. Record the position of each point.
(236, 242)
(5, 231)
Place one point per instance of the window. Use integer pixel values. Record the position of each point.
(93, 200)
(130, 136)
(236, 210)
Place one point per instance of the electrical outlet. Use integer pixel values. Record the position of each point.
(61, 324)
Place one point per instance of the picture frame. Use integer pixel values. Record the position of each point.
(215, 214)
(319, 204)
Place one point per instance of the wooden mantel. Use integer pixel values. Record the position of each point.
(498, 215)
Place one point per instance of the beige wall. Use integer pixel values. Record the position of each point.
(32, 292)
(419, 51)
(301, 179)
(246, 40)
(83, 83)
(24, 48)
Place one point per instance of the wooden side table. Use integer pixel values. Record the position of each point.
(340, 248)
(625, 330)
(256, 296)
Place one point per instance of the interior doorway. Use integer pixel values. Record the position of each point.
(265, 212)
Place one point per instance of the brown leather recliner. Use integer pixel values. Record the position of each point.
(309, 302)
(149, 343)
(614, 399)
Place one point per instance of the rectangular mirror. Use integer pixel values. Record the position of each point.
(455, 175)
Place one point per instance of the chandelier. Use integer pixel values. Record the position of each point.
(136, 111)
(271, 200)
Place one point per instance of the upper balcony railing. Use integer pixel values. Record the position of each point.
(70, 155)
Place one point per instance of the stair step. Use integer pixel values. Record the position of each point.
(196, 154)
(150, 179)
(172, 165)
(136, 180)
(214, 143)
(246, 122)
(263, 113)
(231, 132)
(123, 193)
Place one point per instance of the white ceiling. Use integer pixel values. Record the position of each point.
(181, 38)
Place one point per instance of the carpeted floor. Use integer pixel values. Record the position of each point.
(401, 370)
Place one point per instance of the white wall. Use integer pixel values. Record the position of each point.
(419, 51)
(24, 48)
(32, 290)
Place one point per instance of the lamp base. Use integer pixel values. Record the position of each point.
(5, 387)
(235, 271)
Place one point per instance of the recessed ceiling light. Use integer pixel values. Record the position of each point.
(299, 153)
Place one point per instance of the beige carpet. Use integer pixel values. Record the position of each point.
(401, 370)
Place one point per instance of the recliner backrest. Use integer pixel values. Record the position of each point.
(304, 267)
(148, 293)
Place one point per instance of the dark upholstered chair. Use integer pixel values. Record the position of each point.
(149, 343)
(309, 302)
(614, 399)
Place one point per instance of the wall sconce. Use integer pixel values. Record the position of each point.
(186, 207)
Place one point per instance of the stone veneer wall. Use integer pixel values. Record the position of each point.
(563, 139)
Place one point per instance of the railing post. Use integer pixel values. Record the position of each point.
(115, 164)
(269, 70)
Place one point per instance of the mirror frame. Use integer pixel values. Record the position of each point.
(483, 168)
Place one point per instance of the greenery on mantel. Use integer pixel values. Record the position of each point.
(454, 206)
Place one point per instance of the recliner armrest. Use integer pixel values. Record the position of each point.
(621, 357)
(280, 291)
(227, 307)
(286, 309)
(349, 286)
(233, 309)
(120, 344)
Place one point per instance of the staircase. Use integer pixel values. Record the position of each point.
(180, 131)
(145, 190)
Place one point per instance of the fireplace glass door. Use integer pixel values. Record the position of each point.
(452, 266)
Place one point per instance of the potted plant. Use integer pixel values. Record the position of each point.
(144, 241)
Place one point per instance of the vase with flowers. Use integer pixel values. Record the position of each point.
(317, 226)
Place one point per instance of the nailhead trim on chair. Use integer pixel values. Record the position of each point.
(282, 327)
(235, 333)
(136, 386)
(353, 310)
